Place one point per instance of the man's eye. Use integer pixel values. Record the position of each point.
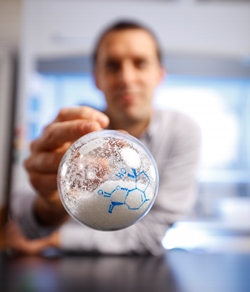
(112, 66)
(141, 64)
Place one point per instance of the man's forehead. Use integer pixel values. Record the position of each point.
(135, 41)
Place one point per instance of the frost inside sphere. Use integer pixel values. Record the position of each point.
(107, 180)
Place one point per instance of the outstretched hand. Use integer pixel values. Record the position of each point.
(46, 153)
(19, 244)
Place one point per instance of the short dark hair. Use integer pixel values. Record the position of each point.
(124, 25)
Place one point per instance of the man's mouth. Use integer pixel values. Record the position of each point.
(128, 97)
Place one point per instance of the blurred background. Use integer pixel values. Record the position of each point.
(45, 64)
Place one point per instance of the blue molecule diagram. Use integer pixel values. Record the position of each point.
(133, 198)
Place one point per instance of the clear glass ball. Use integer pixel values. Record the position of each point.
(107, 180)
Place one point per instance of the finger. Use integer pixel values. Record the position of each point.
(56, 134)
(84, 112)
(47, 162)
(45, 183)
(123, 131)
(52, 198)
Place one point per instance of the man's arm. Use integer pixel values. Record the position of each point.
(46, 154)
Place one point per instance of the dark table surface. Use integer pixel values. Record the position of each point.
(176, 271)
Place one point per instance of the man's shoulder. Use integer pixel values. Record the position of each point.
(179, 127)
(175, 117)
(174, 124)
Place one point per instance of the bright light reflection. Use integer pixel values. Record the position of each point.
(186, 238)
(219, 126)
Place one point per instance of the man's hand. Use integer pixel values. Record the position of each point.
(19, 244)
(47, 152)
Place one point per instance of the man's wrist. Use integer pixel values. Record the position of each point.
(48, 214)
(54, 239)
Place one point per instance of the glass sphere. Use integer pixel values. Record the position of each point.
(107, 180)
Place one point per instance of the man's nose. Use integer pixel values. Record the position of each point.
(127, 74)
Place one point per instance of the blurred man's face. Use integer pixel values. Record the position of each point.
(128, 71)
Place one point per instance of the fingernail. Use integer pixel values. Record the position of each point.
(103, 120)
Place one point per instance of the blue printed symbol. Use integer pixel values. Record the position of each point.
(133, 198)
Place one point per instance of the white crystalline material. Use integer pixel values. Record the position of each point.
(131, 157)
(94, 212)
(91, 175)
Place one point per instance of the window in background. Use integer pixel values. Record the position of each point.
(221, 106)
(51, 92)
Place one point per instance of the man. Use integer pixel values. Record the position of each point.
(127, 69)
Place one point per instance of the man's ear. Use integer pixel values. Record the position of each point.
(162, 74)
